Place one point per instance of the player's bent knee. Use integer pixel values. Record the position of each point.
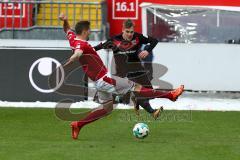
(137, 88)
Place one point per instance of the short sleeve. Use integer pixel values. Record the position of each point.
(71, 36)
(78, 46)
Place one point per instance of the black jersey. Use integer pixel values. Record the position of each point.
(126, 52)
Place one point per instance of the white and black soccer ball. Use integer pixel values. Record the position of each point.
(140, 130)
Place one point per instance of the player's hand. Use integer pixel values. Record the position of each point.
(143, 54)
(62, 17)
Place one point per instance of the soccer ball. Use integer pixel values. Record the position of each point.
(140, 130)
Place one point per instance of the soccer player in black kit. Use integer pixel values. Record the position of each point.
(128, 58)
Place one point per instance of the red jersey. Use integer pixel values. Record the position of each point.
(90, 60)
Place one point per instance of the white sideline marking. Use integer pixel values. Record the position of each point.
(185, 103)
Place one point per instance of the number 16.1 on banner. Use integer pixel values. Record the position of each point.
(125, 9)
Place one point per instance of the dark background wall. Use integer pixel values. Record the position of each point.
(14, 76)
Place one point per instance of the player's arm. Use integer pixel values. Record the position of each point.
(98, 47)
(66, 26)
(70, 35)
(77, 54)
(145, 40)
(105, 45)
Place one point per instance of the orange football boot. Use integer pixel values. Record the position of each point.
(177, 92)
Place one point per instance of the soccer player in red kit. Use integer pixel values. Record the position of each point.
(105, 84)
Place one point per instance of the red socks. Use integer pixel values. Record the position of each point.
(151, 93)
(93, 116)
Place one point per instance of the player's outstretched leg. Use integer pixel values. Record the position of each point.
(151, 93)
(94, 115)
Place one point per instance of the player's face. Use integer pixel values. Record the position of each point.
(128, 33)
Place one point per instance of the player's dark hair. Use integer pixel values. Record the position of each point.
(81, 26)
(128, 23)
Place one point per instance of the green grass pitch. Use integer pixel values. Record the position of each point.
(37, 134)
